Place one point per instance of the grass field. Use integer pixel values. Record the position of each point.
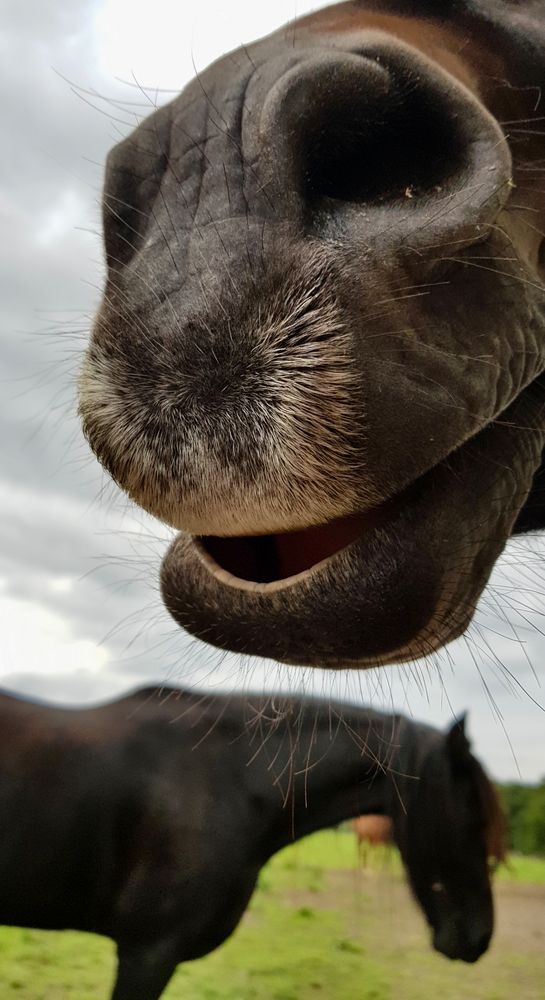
(319, 926)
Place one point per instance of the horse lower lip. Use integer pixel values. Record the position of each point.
(290, 619)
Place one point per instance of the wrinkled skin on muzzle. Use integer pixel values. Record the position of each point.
(320, 349)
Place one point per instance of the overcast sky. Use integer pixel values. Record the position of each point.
(80, 615)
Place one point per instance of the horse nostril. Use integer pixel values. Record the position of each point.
(363, 133)
(366, 148)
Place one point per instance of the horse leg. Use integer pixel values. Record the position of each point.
(362, 852)
(143, 971)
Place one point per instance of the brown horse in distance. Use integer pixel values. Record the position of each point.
(373, 830)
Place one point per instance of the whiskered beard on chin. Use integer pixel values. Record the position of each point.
(249, 424)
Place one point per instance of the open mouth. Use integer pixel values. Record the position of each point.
(271, 562)
(389, 584)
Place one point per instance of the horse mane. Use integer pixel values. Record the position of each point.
(493, 815)
(424, 756)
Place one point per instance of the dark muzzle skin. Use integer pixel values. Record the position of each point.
(454, 944)
(320, 347)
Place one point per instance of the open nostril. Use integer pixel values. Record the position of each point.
(363, 148)
(386, 128)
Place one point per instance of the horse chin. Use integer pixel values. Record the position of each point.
(388, 584)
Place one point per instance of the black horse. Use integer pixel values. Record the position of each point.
(149, 819)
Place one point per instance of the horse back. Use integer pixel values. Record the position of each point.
(102, 808)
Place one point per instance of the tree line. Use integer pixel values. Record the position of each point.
(525, 813)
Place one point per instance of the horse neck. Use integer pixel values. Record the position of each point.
(323, 766)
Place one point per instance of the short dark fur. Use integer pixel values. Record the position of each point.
(149, 819)
(325, 299)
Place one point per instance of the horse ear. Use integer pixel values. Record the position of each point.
(457, 741)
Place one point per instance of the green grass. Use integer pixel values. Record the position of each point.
(318, 927)
(283, 952)
(327, 849)
(35, 965)
(337, 849)
(519, 868)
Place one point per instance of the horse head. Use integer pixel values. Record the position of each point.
(449, 832)
(323, 327)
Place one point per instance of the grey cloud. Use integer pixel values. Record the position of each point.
(109, 565)
(54, 525)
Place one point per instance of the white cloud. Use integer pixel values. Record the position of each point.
(35, 640)
(162, 51)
